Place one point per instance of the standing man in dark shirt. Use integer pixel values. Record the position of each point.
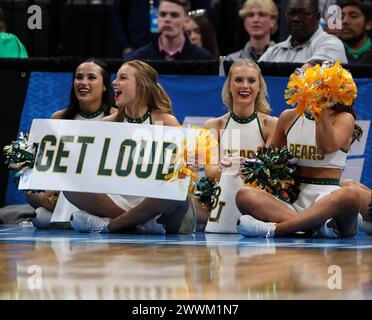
(171, 43)
(356, 23)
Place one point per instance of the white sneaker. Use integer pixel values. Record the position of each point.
(82, 221)
(151, 227)
(327, 230)
(42, 219)
(251, 227)
(364, 225)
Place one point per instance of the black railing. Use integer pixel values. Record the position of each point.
(69, 64)
(68, 27)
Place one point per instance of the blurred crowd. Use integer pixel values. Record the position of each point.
(275, 31)
(262, 30)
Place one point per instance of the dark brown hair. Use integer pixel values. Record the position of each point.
(208, 35)
(183, 3)
(365, 7)
(358, 132)
(107, 96)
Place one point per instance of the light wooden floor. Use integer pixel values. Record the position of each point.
(70, 266)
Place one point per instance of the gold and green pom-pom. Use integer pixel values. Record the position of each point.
(208, 192)
(20, 156)
(272, 169)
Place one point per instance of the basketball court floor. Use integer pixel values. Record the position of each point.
(64, 264)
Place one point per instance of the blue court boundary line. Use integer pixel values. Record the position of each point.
(13, 234)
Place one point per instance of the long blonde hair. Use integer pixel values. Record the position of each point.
(261, 104)
(149, 92)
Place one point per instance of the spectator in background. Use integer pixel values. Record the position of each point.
(307, 40)
(356, 23)
(260, 22)
(200, 32)
(171, 43)
(10, 45)
(133, 23)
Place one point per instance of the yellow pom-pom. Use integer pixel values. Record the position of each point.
(320, 87)
(200, 150)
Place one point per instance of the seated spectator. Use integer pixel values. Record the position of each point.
(10, 45)
(307, 40)
(260, 21)
(171, 43)
(200, 32)
(356, 23)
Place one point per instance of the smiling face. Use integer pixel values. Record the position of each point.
(244, 85)
(88, 86)
(171, 19)
(125, 86)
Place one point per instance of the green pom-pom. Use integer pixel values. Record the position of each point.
(208, 192)
(20, 156)
(272, 169)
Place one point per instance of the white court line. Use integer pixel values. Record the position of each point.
(118, 240)
(79, 240)
(358, 247)
(8, 229)
(312, 245)
(85, 240)
(218, 243)
(34, 239)
(169, 241)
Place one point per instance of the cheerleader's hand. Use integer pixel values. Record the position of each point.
(226, 162)
(41, 199)
(231, 164)
(193, 167)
